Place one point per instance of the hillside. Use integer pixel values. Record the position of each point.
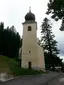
(11, 66)
(4, 67)
(7, 65)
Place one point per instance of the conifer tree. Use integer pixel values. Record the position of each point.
(56, 9)
(49, 44)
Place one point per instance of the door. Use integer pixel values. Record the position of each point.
(29, 65)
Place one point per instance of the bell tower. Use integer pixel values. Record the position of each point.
(30, 57)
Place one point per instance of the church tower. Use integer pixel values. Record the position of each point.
(30, 48)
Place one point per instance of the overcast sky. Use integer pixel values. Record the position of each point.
(12, 12)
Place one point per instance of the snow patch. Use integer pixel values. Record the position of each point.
(61, 80)
(5, 76)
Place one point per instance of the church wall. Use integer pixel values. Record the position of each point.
(41, 57)
(29, 46)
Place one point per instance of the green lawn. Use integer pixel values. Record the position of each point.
(12, 66)
(4, 67)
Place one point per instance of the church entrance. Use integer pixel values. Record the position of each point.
(29, 65)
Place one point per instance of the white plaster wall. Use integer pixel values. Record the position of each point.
(41, 61)
(29, 43)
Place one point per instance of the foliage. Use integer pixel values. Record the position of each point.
(62, 25)
(49, 44)
(9, 41)
(56, 8)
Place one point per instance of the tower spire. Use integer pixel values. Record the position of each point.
(30, 9)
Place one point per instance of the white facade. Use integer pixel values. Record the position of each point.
(32, 53)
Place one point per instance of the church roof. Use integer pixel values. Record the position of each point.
(30, 16)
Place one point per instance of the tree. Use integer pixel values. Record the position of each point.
(1, 37)
(10, 41)
(56, 8)
(13, 29)
(49, 44)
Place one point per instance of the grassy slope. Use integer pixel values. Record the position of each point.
(4, 67)
(12, 66)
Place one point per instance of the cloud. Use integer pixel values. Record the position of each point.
(15, 10)
(12, 12)
(61, 48)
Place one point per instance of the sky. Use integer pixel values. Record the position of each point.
(12, 12)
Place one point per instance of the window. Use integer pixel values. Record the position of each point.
(29, 51)
(29, 28)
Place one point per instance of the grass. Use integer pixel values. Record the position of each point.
(4, 67)
(16, 70)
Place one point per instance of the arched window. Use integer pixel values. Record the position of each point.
(29, 28)
(29, 51)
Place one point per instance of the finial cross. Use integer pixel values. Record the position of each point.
(29, 9)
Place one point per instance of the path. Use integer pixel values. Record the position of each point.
(32, 80)
(57, 81)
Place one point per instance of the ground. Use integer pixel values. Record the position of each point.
(57, 81)
(4, 67)
(12, 67)
(51, 78)
(46, 79)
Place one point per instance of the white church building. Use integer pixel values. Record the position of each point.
(32, 56)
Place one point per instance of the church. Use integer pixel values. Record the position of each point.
(32, 56)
